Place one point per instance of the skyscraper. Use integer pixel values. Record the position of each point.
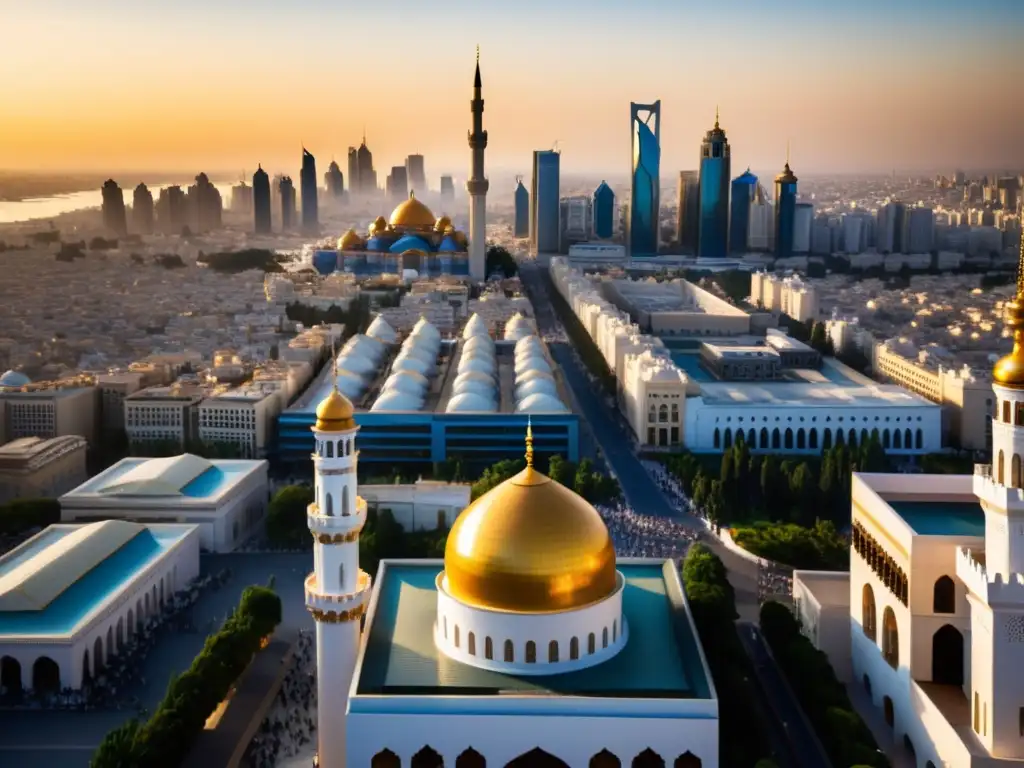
(688, 211)
(803, 220)
(714, 194)
(334, 181)
(645, 200)
(416, 174)
(544, 209)
(521, 227)
(203, 206)
(576, 221)
(785, 212)
(307, 182)
(170, 210)
(367, 176)
(920, 230)
(889, 229)
(604, 211)
(142, 210)
(353, 170)
(744, 189)
(287, 191)
(114, 217)
(241, 198)
(398, 184)
(447, 189)
(261, 201)
(477, 183)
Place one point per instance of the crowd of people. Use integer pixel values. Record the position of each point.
(772, 584)
(106, 687)
(638, 535)
(289, 728)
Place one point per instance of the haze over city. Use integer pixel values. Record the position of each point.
(856, 87)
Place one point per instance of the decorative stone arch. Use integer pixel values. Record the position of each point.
(648, 759)
(45, 675)
(427, 757)
(605, 759)
(890, 638)
(788, 439)
(687, 760)
(718, 438)
(727, 438)
(801, 439)
(826, 438)
(10, 673)
(919, 439)
(867, 613)
(752, 438)
(385, 759)
(908, 439)
(531, 652)
(851, 439)
(764, 437)
(864, 437)
(776, 438)
(470, 758)
(812, 438)
(897, 440)
(840, 437)
(948, 656)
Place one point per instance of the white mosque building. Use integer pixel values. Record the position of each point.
(528, 645)
(933, 626)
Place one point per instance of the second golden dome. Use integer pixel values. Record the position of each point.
(530, 545)
(335, 413)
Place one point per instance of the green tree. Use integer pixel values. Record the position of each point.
(583, 483)
(286, 516)
(559, 469)
(499, 260)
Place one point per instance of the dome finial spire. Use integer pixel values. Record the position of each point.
(529, 442)
(334, 365)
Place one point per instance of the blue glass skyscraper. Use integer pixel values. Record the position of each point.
(604, 211)
(645, 200)
(261, 201)
(544, 210)
(785, 212)
(522, 220)
(744, 188)
(714, 194)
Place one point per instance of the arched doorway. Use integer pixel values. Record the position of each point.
(10, 675)
(427, 758)
(605, 759)
(385, 759)
(536, 758)
(470, 759)
(948, 656)
(888, 711)
(46, 674)
(648, 759)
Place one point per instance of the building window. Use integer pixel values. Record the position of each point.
(488, 649)
(867, 614)
(944, 595)
(890, 639)
(591, 643)
(531, 652)
(471, 643)
(977, 713)
(574, 649)
(510, 652)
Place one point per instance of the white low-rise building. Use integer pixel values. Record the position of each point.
(73, 596)
(423, 505)
(788, 295)
(226, 499)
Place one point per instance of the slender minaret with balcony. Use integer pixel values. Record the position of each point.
(995, 580)
(337, 590)
(477, 184)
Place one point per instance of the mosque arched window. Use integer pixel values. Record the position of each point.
(344, 502)
(1006, 411)
(553, 652)
(675, 412)
(510, 652)
(531, 652)
(662, 413)
(1000, 468)
(591, 644)
(604, 637)
(456, 635)
(329, 505)
(330, 449)
(471, 644)
(718, 438)
(615, 630)
(574, 649)
(1015, 471)
(488, 649)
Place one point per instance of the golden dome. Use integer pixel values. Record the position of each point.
(412, 214)
(1009, 371)
(334, 414)
(349, 240)
(442, 224)
(530, 545)
(380, 224)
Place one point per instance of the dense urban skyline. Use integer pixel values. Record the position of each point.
(855, 87)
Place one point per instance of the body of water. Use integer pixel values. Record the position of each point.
(55, 205)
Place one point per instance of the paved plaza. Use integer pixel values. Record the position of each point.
(36, 738)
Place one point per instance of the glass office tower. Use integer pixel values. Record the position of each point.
(522, 218)
(604, 211)
(785, 212)
(688, 211)
(645, 200)
(744, 188)
(261, 201)
(714, 194)
(544, 210)
(307, 184)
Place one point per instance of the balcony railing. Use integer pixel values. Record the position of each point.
(313, 597)
(983, 470)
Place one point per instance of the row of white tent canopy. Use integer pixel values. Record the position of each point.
(406, 387)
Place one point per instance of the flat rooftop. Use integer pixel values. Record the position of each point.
(826, 395)
(661, 659)
(90, 590)
(941, 518)
(206, 480)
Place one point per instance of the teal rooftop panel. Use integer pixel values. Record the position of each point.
(660, 660)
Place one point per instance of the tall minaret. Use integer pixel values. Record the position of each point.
(477, 184)
(337, 590)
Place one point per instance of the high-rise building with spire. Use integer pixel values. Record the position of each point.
(785, 212)
(642, 236)
(142, 210)
(307, 184)
(114, 216)
(261, 201)
(334, 181)
(713, 236)
(477, 183)
(367, 175)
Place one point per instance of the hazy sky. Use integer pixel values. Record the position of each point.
(858, 85)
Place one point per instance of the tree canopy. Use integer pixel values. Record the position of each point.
(500, 261)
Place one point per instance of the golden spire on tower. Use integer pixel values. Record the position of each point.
(529, 442)
(716, 116)
(1009, 371)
